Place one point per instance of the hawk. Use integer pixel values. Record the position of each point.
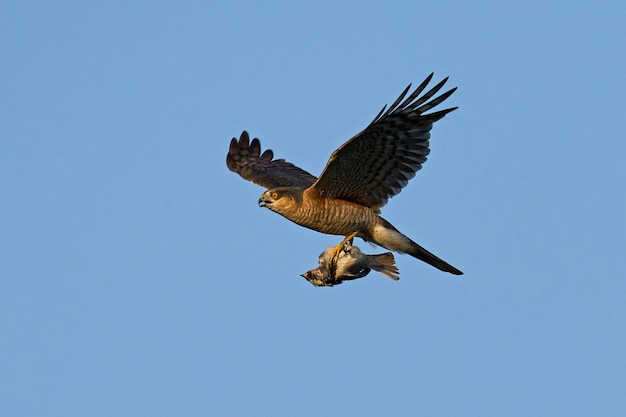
(358, 179)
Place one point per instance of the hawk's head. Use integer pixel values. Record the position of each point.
(282, 200)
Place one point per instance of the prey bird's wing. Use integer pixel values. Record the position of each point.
(379, 161)
(245, 158)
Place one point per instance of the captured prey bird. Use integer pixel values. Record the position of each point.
(350, 263)
(359, 177)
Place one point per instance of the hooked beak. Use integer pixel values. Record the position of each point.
(264, 200)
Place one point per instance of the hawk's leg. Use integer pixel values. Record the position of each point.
(337, 250)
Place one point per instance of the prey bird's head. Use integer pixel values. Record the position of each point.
(282, 200)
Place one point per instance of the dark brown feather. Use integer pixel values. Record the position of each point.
(379, 161)
(245, 158)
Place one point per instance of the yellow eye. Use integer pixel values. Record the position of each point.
(274, 195)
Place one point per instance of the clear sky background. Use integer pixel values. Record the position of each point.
(138, 276)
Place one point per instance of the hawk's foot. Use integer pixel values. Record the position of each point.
(337, 250)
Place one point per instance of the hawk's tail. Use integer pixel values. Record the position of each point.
(422, 254)
(389, 237)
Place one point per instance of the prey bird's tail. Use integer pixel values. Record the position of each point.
(385, 264)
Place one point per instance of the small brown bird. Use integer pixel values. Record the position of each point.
(350, 263)
(358, 178)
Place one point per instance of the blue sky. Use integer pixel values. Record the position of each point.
(139, 277)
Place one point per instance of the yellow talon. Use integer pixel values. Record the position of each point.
(337, 250)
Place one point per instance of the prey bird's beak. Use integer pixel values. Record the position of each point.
(261, 202)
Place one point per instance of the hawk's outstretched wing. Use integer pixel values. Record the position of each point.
(379, 161)
(245, 158)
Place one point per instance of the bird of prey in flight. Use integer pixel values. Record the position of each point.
(358, 179)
